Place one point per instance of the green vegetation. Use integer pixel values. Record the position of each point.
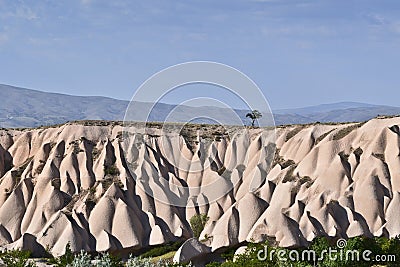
(82, 260)
(293, 132)
(307, 181)
(91, 200)
(321, 137)
(111, 170)
(254, 115)
(345, 131)
(320, 246)
(16, 258)
(160, 250)
(63, 260)
(325, 253)
(154, 257)
(278, 159)
(289, 177)
(167, 257)
(286, 163)
(197, 223)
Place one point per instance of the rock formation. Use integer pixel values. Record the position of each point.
(72, 184)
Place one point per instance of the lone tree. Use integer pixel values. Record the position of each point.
(255, 114)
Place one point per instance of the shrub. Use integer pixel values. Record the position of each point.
(197, 223)
(319, 244)
(287, 163)
(107, 260)
(321, 137)
(16, 258)
(337, 258)
(143, 262)
(65, 259)
(111, 170)
(345, 131)
(228, 254)
(250, 257)
(292, 133)
(81, 260)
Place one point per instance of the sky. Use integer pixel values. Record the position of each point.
(300, 53)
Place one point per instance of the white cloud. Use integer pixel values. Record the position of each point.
(375, 19)
(21, 11)
(47, 41)
(382, 24)
(25, 12)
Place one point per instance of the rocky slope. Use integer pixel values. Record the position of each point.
(71, 184)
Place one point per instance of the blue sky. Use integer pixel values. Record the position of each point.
(300, 53)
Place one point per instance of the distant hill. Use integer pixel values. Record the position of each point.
(336, 112)
(22, 107)
(324, 108)
(30, 108)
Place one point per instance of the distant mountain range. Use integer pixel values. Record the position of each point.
(22, 107)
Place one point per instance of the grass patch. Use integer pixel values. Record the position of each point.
(278, 159)
(345, 131)
(307, 181)
(108, 181)
(286, 163)
(166, 257)
(162, 250)
(111, 170)
(292, 133)
(289, 177)
(321, 137)
(16, 258)
(273, 254)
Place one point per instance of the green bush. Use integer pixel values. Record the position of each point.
(143, 262)
(81, 260)
(250, 257)
(111, 170)
(228, 254)
(65, 259)
(197, 223)
(161, 249)
(107, 260)
(16, 258)
(321, 245)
